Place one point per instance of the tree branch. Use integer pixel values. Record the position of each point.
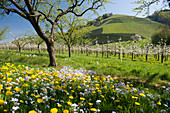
(8, 10)
(49, 20)
(19, 7)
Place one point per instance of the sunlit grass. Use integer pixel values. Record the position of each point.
(24, 89)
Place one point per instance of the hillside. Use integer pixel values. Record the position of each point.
(124, 26)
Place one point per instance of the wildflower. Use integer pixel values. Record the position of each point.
(1, 102)
(137, 103)
(65, 111)
(134, 97)
(17, 89)
(159, 103)
(32, 111)
(117, 100)
(131, 84)
(59, 105)
(36, 95)
(141, 94)
(54, 110)
(25, 85)
(81, 98)
(8, 93)
(93, 92)
(69, 103)
(98, 101)
(93, 109)
(120, 107)
(102, 96)
(71, 97)
(5, 110)
(21, 101)
(90, 104)
(39, 100)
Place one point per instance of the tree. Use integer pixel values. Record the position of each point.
(21, 41)
(3, 30)
(37, 11)
(71, 29)
(38, 41)
(162, 16)
(162, 38)
(144, 5)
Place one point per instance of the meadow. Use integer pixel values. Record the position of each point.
(82, 84)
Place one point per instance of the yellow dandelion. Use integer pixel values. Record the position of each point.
(159, 103)
(21, 101)
(39, 100)
(141, 94)
(90, 104)
(5, 110)
(17, 89)
(65, 111)
(32, 111)
(137, 103)
(25, 85)
(69, 103)
(37, 96)
(81, 98)
(102, 96)
(120, 107)
(117, 100)
(134, 97)
(93, 109)
(8, 93)
(59, 105)
(54, 110)
(93, 92)
(1, 102)
(71, 97)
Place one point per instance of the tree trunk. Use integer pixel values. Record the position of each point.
(38, 48)
(19, 49)
(162, 58)
(158, 56)
(69, 51)
(132, 55)
(146, 57)
(51, 52)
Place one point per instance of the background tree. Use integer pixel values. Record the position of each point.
(162, 38)
(71, 29)
(21, 41)
(37, 11)
(144, 5)
(38, 41)
(162, 16)
(3, 30)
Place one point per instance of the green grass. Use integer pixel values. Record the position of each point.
(124, 26)
(150, 71)
(32, 90)
(44, 88)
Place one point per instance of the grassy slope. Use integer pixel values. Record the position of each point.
(124, 26)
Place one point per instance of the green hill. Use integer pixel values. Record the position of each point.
(123, 26)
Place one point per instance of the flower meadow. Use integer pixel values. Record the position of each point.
(33, 90)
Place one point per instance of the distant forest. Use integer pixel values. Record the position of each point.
(162, 16)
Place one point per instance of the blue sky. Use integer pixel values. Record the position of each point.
(17, 25)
